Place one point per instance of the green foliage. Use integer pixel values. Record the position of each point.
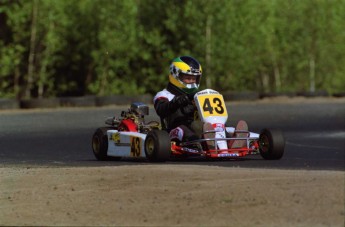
(104, 47)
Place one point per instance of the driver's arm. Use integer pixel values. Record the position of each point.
(163, 107)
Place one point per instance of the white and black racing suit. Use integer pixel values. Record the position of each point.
(176, 111)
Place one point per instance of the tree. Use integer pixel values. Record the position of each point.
(13, 53)
(116, 48)
(61, 48)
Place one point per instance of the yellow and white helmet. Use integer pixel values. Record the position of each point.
(185, 65)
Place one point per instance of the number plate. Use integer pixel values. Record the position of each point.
(212, 105)
(135, 146)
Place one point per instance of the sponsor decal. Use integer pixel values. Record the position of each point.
(207, 91)
(115, 137)
(228, 155)
(176, 133)
(218, 127)
(189, 150)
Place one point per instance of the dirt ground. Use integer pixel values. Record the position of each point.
(170, 195)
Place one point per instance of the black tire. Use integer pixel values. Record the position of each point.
(40, 103)
(81, 101)
(6, 104)
(271, 144)
(100, 145)
(158, 146)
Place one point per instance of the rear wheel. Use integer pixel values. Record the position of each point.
(271, 144)
(158, 146)
(100, 145)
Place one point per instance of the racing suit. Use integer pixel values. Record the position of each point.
(176, 111)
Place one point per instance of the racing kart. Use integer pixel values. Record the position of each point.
(131, 136)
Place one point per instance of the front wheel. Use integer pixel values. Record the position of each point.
(157, 146)
(271, 144)
(100, 145)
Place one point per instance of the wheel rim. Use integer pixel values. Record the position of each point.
(264, 143)
(96, 145)
(149, 146)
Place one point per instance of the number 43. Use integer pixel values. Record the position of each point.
(209, 107)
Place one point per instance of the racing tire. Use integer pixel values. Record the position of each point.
(271, 144)
(6, 104)
(158, 146)
(100, 145)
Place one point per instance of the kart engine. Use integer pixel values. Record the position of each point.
(136, 113)
(139, 109)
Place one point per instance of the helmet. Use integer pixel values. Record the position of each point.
(181, 66)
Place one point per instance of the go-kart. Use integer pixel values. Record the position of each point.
(130, 136)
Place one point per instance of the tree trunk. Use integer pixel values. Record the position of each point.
(265, 81)
(31, 60)
(277, 78)
(16, 88)
(208, 50)
(104, 77)
(312, 73)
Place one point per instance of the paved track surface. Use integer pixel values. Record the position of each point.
(314, 134)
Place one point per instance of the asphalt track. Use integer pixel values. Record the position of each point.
(314, 134)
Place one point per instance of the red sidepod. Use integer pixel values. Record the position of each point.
(128, 125)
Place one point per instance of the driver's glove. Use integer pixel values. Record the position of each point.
(178, 101)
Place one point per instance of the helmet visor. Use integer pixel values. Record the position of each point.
(190, 80)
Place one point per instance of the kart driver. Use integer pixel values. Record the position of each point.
(174, 104)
